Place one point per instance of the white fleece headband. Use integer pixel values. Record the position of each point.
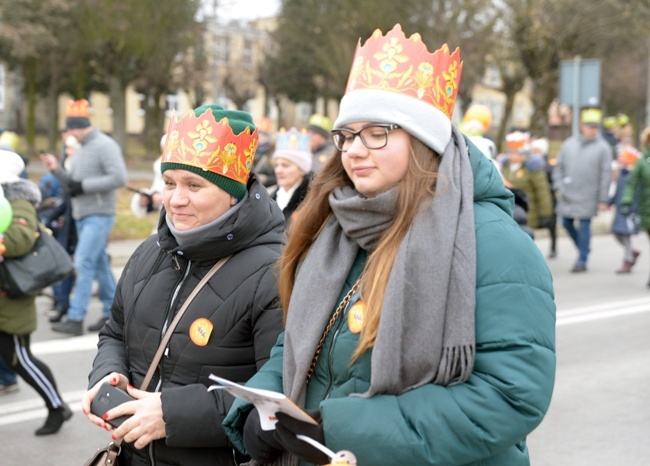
(422, 120)
(11, 166)
(301, 158)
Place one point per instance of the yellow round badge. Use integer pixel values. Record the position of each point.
(200, 331)
(356, 317)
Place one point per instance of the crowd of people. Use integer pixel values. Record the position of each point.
(352, 265)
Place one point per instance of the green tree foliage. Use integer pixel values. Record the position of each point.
(316, 40)
(167, 30)
(34, 39)
(545, 32)
(78, 45)
(136, 40)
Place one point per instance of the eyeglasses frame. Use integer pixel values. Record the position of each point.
(388, 127)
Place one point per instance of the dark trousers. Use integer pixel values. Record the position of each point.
(15, 353)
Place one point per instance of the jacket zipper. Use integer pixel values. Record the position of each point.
(152, 458)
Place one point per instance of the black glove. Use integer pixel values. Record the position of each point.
(260, 444)
(288, 427)
(75, 188)
(625, 210)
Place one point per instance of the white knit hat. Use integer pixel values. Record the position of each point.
(301, 158)
(11, 166)
(424, 121)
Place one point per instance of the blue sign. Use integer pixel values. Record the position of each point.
(580, 78)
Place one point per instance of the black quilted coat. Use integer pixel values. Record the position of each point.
(241, 302)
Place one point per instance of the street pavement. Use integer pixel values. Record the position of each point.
(598, 416)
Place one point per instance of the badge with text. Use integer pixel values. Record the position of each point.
(200, 331)
(356, 317)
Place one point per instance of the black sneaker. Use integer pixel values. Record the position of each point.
(579, 268)
(55, 420)
(57, 313)
(71, 327)
(97, 326)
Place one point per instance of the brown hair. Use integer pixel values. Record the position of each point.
(416, 188)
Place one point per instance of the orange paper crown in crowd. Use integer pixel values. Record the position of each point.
(518, 141)
(77, 108)
(629, 155)
(405, 66)
(211, 146)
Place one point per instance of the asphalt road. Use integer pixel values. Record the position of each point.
(599, 414)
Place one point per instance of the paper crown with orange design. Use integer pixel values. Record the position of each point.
(518, 141)
(397, 80)
(215, 143)
(294, 146)
(77, 114)
(628, 155)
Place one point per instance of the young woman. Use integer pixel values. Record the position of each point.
(410, 336)
(212, 208)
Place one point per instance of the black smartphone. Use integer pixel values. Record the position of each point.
(108, 397)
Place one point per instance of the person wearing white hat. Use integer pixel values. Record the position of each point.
(292, 163)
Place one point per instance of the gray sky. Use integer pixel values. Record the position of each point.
(246, 9)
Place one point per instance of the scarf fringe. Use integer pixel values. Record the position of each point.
(456, 364)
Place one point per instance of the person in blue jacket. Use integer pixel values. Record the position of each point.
(419, 318)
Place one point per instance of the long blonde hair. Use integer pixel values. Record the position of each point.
(416, 188)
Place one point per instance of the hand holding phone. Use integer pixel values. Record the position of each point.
(108, 397)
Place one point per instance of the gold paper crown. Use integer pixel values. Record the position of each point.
(591, 116)
(77, 108)
(292, 140)
(405, 66)
(210, 146)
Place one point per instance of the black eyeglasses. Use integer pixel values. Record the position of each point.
(373, 137)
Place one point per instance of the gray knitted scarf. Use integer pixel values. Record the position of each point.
(426, 331)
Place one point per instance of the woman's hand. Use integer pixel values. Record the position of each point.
(146, 422)
(114, 378)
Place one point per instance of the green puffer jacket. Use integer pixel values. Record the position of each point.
(483, 421)
(533, 181)
(639, 179)
(18, 315)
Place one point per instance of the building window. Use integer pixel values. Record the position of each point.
(493, 77)
(172, 105)
(2, 88)
(247, 55)
(223, 50)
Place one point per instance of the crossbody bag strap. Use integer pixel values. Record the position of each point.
(114, 448)
(177, 318)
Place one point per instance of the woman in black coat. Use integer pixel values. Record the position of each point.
(213, 208)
